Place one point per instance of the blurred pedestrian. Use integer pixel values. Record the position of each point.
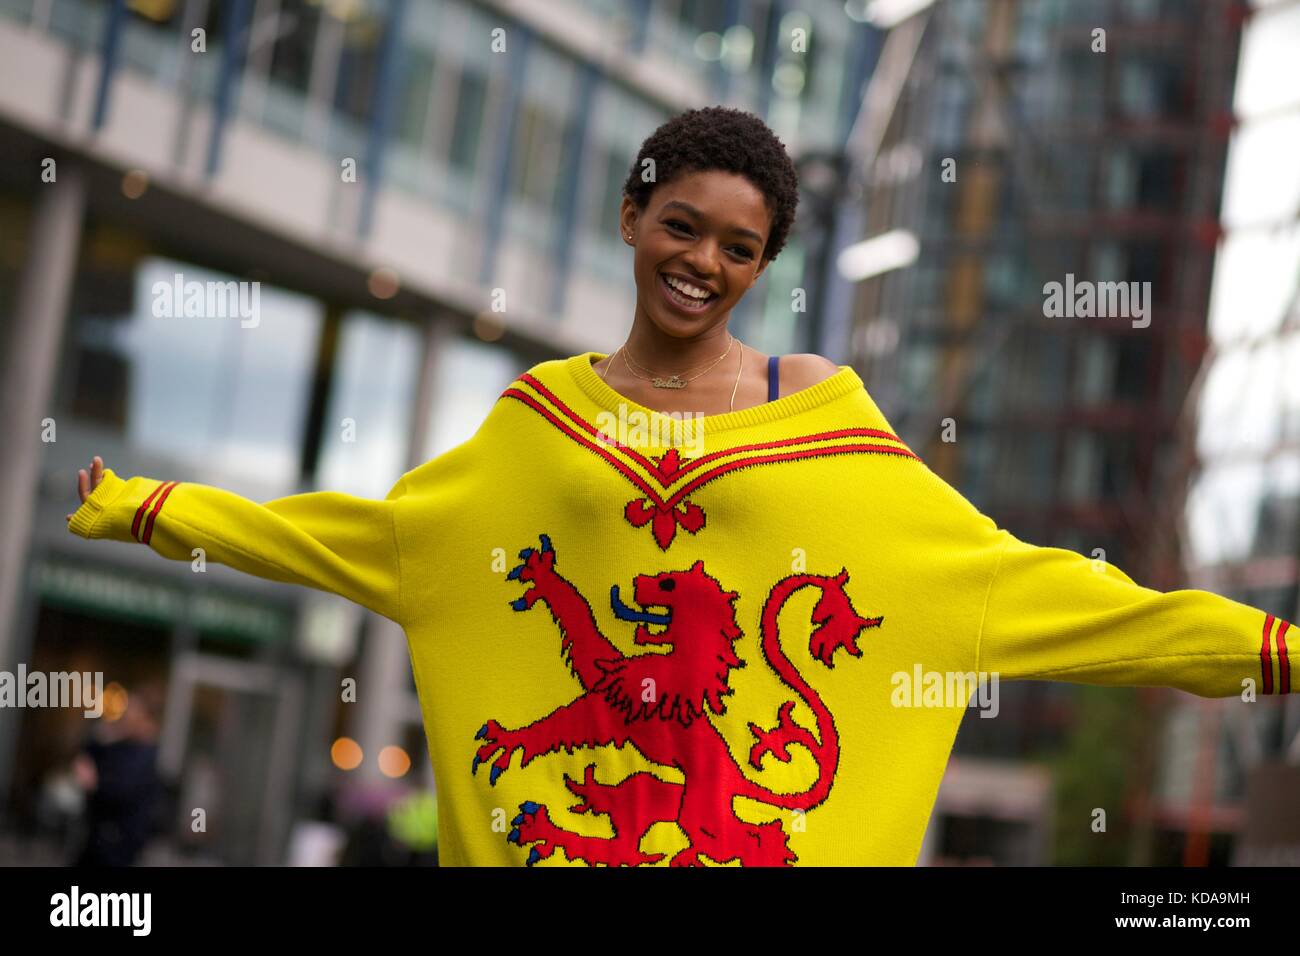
(118, 769)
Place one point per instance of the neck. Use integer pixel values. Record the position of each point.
(650, 347)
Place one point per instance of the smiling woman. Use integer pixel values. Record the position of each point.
(707, 207)
(624, 636)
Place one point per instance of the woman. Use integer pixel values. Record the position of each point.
(782, 547)
(713, 219)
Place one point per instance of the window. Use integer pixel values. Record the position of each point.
(1080, 469)
(366, 433)
(1119, 177)
(1132, 367)
(414, 85)
(1081, 98)
(1032, 34)
(1024, 468)
(1221, 509)
(1094, 369)
(182, 380)
(1262, 183)
(1255, 275)
(1003, 281)
(951, 103)
(152, 41)
(703, 16)
(1269, 75)
(540, 126)
(472, 375)
(977, 454)
(295, 40)
(467, 132)
(1157, 175)
(1032, 369)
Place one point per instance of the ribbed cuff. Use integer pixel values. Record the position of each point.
(84, 519)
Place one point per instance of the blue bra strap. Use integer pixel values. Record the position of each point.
(773, 378)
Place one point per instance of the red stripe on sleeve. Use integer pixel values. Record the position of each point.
(1265, 663)
(1284, 668)
(148, 527)
(144, 507)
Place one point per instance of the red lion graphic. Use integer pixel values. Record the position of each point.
(658, 703)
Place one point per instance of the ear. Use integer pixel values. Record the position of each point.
(627, 217)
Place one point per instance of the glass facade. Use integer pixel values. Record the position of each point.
(445, 116)
(1244, 507)
(1073, 165)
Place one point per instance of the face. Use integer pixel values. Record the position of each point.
(705, 231)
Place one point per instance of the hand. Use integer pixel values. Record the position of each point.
(88, 483)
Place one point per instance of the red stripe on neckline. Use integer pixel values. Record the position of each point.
(700, 462)
(700, 480)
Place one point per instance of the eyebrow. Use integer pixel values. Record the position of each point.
(739, 230)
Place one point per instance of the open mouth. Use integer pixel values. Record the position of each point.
(653, 624)
(683, 300)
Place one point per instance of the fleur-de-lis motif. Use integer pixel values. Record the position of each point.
(664, 520)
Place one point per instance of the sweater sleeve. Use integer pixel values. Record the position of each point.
(1053, 614)
(326, 540)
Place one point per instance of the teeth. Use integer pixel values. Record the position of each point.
(685, 288)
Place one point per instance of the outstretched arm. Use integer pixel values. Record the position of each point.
(322, 539)
(1053, 614)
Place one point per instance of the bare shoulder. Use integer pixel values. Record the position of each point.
(803, 369)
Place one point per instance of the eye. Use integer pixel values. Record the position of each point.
(667, 584)
(676, 225)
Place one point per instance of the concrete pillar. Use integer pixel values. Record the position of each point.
(27, 368)
(27, 378)
(384, 705)
(381, 694)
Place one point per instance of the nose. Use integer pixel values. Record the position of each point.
(702, 257)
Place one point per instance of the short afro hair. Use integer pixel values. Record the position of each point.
(732, 140)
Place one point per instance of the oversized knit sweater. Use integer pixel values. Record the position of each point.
(751, 643)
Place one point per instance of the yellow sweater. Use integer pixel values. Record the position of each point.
(752, 643)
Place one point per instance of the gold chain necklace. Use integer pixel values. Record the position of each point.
(674, 380)
(739, 368)
(730, 341)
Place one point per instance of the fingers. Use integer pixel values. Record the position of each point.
(87, 483)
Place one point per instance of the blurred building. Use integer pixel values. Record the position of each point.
(1040, 141)
(426, 195)
(1243, 530)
